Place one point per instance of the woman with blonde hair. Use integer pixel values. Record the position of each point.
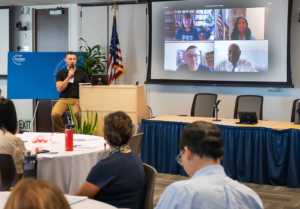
(36, 194)
(118, 180)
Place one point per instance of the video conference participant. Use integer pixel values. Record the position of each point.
(234, 63)
(9, 143)
(193, 61)
(187, 31)
(67, 84)
(209, 187)
(119, 179)
(241, 31)
(36, 194)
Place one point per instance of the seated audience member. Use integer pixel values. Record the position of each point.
(36, 194)
(234, 63)
(118, 180)
(187, 30)
(209, 187)
(9, 143)
(241, 31)
(193, 62)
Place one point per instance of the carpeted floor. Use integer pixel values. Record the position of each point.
(273, 197)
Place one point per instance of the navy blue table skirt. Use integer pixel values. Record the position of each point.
(253, 155)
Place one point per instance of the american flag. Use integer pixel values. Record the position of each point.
(115, 64)
(227, 29)
(220, 25)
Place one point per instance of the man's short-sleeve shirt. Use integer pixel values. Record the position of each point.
(72, 90)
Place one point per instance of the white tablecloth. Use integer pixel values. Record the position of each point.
(68, 170)
(88, 203)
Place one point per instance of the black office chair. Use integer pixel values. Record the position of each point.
(294, 116)
(203, 105)
(8, 172)
(68, 115)
(249, 103)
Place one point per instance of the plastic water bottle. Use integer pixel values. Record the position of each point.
(30, 164)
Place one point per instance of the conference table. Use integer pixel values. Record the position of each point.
(265, 153)
(67, 169)
(87, 203)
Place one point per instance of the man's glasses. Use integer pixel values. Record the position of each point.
(196, 56)
(233, 51)
(178, 158)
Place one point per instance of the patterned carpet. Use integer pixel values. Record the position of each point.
(273, 197)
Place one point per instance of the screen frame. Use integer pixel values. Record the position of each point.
(287, 84)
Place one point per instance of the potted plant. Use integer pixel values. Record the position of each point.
(91, 60)
(86, 127)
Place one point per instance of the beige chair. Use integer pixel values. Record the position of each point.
(135, 143)
(150, 174)
(135, 129)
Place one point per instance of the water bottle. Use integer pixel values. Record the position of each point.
(69, 137)
(30, 164)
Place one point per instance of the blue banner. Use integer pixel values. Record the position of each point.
(31, 75)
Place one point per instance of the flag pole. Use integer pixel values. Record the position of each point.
(115, 8)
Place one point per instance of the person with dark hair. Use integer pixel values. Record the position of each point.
(193, 62)
(67, 84)
(234, 63)
(9, 143)
(201, 151)
(187, 31)
(36, 194)
(241, 31)
(118, 180)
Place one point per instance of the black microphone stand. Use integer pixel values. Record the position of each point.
(217, 110)
(298, 111)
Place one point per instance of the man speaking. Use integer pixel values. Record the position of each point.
(67, 81)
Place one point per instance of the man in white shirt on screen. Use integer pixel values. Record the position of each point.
(234, 63)
(209, 187)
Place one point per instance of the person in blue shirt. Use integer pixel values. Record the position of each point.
(241, 31)
(119, 179)
(209, 187)
(187, 31)
(193, 62)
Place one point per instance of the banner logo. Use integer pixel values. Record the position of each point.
(18, 59)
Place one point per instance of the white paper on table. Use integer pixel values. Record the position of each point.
(74, 199)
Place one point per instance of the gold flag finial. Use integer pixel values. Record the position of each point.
(115, 8)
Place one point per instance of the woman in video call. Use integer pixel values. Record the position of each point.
(187, 31)
(241, 30)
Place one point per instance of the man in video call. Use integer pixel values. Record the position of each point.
(67, 81)
(234, 63)
(193, 62)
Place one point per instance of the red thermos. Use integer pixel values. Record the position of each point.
(69, 137)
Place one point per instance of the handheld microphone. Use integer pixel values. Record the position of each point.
(72, 68)
(217, 103)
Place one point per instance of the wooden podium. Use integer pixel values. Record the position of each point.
(106, 99)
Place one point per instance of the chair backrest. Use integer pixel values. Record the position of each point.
(250, 103)
(8, 172)
(150, 174)
(135, 129)
(135, 143)
(294, 116)
(203, 105)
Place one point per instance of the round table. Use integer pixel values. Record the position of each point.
(67, 169)
(88, 203)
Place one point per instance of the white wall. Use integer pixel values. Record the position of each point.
(167, 99)
(177, 100)
(25, 107)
